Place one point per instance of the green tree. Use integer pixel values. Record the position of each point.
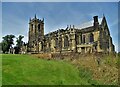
(119, 54)
(19, 43)
(7, 43)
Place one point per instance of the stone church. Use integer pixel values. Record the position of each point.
(95, 38)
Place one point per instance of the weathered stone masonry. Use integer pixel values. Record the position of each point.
(95, 38)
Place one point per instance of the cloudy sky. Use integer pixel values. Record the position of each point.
(15, 16)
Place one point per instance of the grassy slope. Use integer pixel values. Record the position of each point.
(0, 70)
(106, 73)
(26, 70)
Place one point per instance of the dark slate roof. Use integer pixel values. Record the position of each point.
(83, 30)
(88, 29)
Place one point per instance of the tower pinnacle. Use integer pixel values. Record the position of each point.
(103, 15)
(43, 20)
(30, 19)
(35, 16)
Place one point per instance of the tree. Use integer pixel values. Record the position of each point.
(7, 43)
(119, 54)
(0, 47)
(19, 44)
(19, 41)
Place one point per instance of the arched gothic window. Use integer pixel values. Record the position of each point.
(83, 40)
(91, 37)
(66, 42)
(77, 39)
(56, 43)
(80, 39)
(38, 27)
(41, 46)
(31, 27)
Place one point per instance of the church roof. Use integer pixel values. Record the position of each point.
(85, 27)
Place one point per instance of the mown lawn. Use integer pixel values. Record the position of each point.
(27, 70)
(0, 70)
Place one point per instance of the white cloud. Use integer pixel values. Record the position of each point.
(25, 39)
(14, 42)
(88, 24)
(117, 49)
(114, 23)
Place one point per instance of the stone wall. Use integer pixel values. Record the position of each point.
(91, 39)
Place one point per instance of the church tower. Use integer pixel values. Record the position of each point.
(36, 33)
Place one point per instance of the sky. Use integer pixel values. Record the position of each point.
(60, 0)
(16, 15)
